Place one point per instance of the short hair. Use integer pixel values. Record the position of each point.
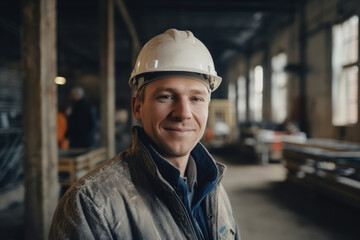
(140, 94)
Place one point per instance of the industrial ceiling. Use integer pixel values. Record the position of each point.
(226, 27)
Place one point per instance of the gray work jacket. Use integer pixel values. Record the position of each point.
(127, 198)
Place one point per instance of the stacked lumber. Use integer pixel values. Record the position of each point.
(329, 165)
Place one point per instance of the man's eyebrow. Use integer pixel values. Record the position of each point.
(164, 89)
(174, 90)
(199, 91)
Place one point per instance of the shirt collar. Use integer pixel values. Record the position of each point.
(191, 174)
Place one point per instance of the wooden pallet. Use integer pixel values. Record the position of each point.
(75, 163)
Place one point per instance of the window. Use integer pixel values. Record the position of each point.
(232, 92)
(345, 72)
(256, 93)
(278, 88)
(241, 102)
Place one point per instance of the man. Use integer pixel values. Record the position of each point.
(82, 121)
(166, 185)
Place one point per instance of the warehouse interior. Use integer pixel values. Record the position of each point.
(285, 119)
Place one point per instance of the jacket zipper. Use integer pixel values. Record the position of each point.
(211, 204)
(186, 213)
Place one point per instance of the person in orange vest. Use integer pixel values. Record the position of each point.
(63, 142)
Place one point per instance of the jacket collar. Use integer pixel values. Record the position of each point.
(140, 147)
(166, 169)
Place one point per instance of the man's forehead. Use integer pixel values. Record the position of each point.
(178, 84)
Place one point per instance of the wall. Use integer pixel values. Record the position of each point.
(318, 87)
(287, 41)
(319, 18)
(314, 38)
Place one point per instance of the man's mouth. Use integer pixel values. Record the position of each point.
(178, 130)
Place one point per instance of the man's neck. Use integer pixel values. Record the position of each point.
(179, 162)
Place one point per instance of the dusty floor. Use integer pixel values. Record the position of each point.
(268, 207)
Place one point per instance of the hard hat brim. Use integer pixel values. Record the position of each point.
(211, 82)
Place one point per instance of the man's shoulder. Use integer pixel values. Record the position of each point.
(112, 175)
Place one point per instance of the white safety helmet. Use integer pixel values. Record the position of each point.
(174, 53)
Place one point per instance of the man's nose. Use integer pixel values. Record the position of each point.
(182, 109)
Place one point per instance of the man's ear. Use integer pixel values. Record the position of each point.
(136, 107)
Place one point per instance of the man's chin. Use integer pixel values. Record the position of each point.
(176, 153)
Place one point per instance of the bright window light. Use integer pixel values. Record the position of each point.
(345, 72)
(279, 88)
(256, 93)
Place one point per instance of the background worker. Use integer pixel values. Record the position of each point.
(82, 121)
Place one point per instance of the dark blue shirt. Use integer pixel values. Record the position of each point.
(200, 179)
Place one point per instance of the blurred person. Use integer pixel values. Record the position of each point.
(288, 127)
(166, 185)
(82, 121)
(63, 142)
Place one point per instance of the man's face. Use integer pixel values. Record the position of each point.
(174, 114)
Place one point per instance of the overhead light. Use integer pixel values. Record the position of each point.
(60, 80)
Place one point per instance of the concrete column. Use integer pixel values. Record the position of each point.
(303, 121)
(38, 61)
(107, 76)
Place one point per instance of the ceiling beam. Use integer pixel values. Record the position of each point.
(203, 6)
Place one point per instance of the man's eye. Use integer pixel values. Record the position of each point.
(197, 99)
(166, 97)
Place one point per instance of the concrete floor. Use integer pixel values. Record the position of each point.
(268, 207)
